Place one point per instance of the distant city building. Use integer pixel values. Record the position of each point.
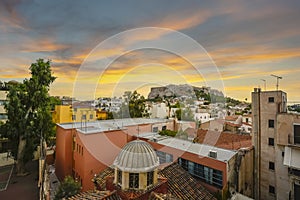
(3, 100)
(67, 114)
(159, 110)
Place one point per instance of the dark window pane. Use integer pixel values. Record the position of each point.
(150, 178)
(271, 166)
(133, 180)
(297, 134)
(271, 141)
(271, 99)
(271, 123)
(271, 189)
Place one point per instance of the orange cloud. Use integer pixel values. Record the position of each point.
(44, 44)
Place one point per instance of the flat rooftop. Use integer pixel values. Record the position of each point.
(109, 125)
(200, 149)
(188, 146)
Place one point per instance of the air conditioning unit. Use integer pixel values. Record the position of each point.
(212, 154)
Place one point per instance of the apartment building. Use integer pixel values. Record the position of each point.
(85, 149)
(3, 99)
(67, 114)
(276, 135)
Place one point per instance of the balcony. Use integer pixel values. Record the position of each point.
(292, 157)
(294, 172)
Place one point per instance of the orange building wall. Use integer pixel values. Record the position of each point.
(95, 153)
(63, 155)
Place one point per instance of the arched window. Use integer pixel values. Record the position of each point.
(149, 178)
(119, 176)
(133, 180)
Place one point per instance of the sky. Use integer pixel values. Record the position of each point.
(103, 48)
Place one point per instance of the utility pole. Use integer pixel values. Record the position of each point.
(265, 84)
(277, 77)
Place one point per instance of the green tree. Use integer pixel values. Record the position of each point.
(69, 187)
(178, 113)
(54, 101)
(168, 132)
(187, 114)
(28, 109)
(137, 105)
(134, 106)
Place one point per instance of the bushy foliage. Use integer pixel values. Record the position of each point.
(69, 187)
(168, 132)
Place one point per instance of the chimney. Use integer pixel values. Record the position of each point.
(212, 154)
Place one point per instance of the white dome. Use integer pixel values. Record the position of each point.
(137, 156)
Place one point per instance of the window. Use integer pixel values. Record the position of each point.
(271, 123)
(211, 176)
(133, 180)
(247, 120)
(150, 178)
(73, 117)
(91, 116)
(271, 141)
(296, 134)
(271, 100)
(271, 189)
(271, 166)
(155, 129)
(3, 116)
(119, 176)
(164, 157)
(164, 128)
(83, 117)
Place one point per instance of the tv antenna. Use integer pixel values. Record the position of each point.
(277, 77)
(265, 84)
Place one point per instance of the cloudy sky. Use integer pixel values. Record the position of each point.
(102, 48)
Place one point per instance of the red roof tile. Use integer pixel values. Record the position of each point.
(223, 140)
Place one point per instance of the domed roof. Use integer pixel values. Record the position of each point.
(137, 156)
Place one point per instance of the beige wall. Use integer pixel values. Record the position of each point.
(279, 178)
(240, 172)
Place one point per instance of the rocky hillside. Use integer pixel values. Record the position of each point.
(180, 90)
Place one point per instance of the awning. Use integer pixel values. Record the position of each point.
(291, 157)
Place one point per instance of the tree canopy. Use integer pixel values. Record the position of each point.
(28, 111)
(134, 106)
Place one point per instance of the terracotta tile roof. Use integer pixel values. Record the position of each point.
(232, 124)
(223, 140)
(140, 194)
(246, 123)
(231, 118)
(182, 185)
(101, 177)
(93, 195)
(160, 196)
